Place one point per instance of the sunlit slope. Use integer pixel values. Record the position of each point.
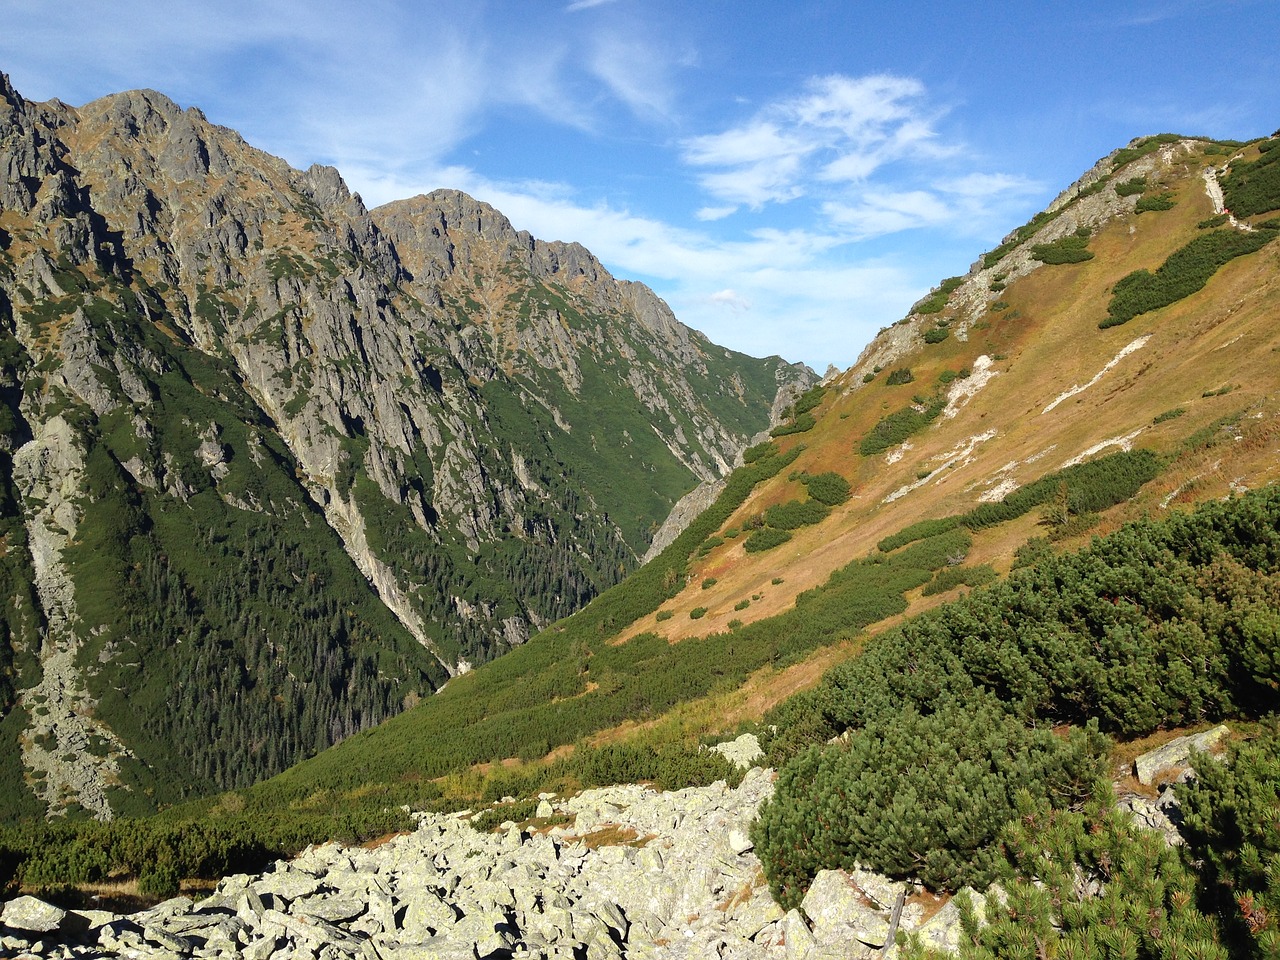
(1046, 388)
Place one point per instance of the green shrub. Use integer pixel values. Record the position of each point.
(898, 377)
(1031, 552)
(795, 514)
(868, 377)
(1168, 415)
(918, 531)
(697, 613)
(667, 766)
(920, 795)
(1128, 188)
(936, 334)
(829, 488)
(810, 399)
(1230, 824)
(1212, 222)
(710, 544)
(664, 615)
(1154, 202)
(1182, 274)
(1251, 188)
(936, 300)
(948, 578)
(802, 423)
(897, 426)
(759, 452)
(159, 882)
(1089, 883)
(742, 605)
(1142, 148)
(709, 582)
(765, 538)
(1068, 249)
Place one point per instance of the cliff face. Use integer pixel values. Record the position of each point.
(274, 466)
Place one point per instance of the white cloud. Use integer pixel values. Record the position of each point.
(881, 212)
(715, 213)
(731, 299)
(635, 71)
(585, 5)
(983, 185)
(840, 130)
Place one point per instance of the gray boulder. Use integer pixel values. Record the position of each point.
(35, 916)
(1176, 753)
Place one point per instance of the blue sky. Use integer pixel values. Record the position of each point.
(789, 176)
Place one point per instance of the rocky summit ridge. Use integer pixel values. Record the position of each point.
(274, 466)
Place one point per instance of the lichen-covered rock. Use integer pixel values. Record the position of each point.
(31, 914)
(1176, 753)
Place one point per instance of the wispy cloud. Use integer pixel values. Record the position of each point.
(585, 5)
(839, 131)
(730, 299)
(635, 71)
(708, 214)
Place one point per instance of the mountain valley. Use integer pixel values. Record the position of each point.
(411, 457)
(276, 466)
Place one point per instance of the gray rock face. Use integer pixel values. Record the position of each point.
(431, 380)
(35, 916)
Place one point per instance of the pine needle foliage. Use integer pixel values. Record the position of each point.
(1159, 624)
(1087, 884)
(916, 794)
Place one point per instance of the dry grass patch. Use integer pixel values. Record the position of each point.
(614, 835)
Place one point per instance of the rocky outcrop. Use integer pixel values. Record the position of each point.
(1176, 754)
(71, 757)
(687, 509)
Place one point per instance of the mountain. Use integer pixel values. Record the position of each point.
(1032, 533)
(274, 467)
(1112, 359)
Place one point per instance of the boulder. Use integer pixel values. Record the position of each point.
(797, 936)
(1176, 753)
(35, 916)
(842, 911)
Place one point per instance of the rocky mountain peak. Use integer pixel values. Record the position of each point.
(426, 433)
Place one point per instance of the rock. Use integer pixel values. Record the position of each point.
(28, 913)
(797, 936)
(288, 885)
(942, 930)
(841, 910)
(170, 941)
(742, 752)
(740, 840)
(1176, 753)
(335, 909)
(544, 810)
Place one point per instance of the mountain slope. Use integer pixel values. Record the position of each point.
(271, 472)
(1006, 416)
